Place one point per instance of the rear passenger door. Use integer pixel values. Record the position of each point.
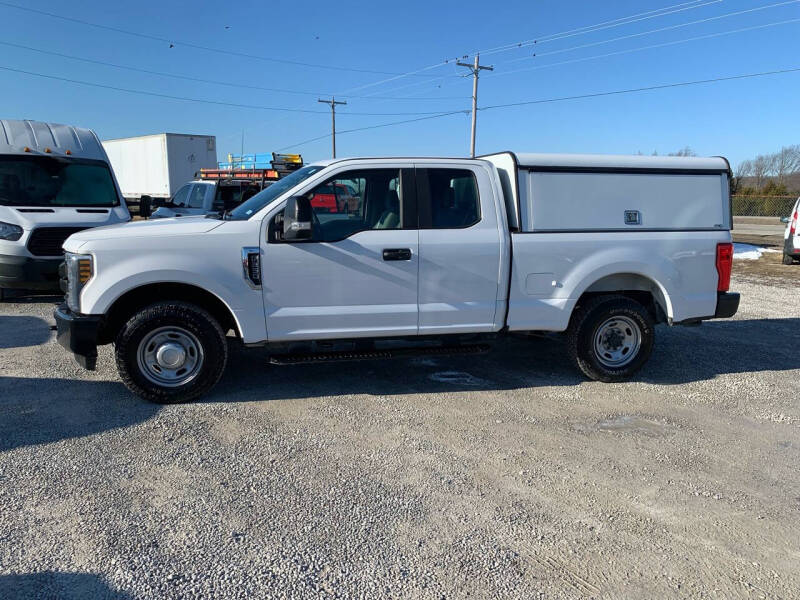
(460, 250)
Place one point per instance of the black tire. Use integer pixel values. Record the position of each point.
(187, 317)
(585, 326)
(787, 259)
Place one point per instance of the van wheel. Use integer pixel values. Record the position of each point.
(788, 259)
(171, 352)
(610, 338)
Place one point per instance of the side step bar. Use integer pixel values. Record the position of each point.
(297, 359)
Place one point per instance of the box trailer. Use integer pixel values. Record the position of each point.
(158, 165)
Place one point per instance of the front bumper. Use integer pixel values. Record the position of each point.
(25, 273)
(727, 305)
(78, 334)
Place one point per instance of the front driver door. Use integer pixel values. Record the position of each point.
(357, 276)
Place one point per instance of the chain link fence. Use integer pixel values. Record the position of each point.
(763, 206)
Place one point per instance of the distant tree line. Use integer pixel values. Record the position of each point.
(776, 174)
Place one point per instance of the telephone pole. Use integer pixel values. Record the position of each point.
(332, 103)
(475, 68)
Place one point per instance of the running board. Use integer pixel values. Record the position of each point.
(297, 359)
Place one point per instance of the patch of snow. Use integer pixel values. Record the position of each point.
(749, 251)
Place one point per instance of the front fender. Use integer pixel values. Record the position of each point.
(114, 279)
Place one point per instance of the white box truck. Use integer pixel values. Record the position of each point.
(427, 254)
(158, 165)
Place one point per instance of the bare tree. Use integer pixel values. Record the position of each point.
(685, 151)
(745, 169)
(762, 165)
(786, 162)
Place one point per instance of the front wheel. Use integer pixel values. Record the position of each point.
(610, 338)
(171, 352)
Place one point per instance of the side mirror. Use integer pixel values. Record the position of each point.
(297, 219)
(145, 207)
(784, 219)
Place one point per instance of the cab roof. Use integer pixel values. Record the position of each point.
(600, 162)
(38, 137)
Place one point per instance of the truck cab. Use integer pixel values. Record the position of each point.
(217, 191)
(55, 180)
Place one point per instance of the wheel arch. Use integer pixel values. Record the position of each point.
(645, 289)
(144, 295)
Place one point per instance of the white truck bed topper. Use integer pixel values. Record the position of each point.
(622, 162)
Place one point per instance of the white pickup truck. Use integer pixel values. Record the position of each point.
(426, 254)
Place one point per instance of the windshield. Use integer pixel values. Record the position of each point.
(267, 195)
(46, 181)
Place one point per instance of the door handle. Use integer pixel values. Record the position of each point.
(397, 254)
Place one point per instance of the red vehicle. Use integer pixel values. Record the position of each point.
(333, 200)
(325, 200)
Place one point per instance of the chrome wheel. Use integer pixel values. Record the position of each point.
(617, 341)
(170, 356)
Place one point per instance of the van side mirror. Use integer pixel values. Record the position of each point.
(297, 219)
(145, 207)
(784, 219)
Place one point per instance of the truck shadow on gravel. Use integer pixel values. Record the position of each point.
(682, 355)
(45, 410)
(51, 584)
(22, 331)
(41, 410)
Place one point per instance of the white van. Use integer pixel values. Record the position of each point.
(791, 236)
(55, 180)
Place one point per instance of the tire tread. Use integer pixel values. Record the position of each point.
(201, 322)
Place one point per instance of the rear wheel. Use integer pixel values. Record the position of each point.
(788, 259)
(610, 338)
(171, 352)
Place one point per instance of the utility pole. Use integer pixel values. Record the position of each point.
(332, 103)
(475, 68)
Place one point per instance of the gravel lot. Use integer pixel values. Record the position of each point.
(503, 475)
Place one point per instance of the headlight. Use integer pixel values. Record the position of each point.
(10, 232)
(80, 269)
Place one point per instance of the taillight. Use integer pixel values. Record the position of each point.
(724, 264)
(793, 226)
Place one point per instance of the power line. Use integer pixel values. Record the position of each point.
(560, 99)
(579, 31)
(642, 89)
(661, 12)
(201, 100)
(173, 42)
(378, 126)
(650, 47)
(660, 29)
(202, 80)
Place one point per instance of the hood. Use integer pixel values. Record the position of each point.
(145, 229)
(29, 217)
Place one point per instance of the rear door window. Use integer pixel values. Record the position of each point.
(448, 198)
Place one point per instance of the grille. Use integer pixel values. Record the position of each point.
(47, 241)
